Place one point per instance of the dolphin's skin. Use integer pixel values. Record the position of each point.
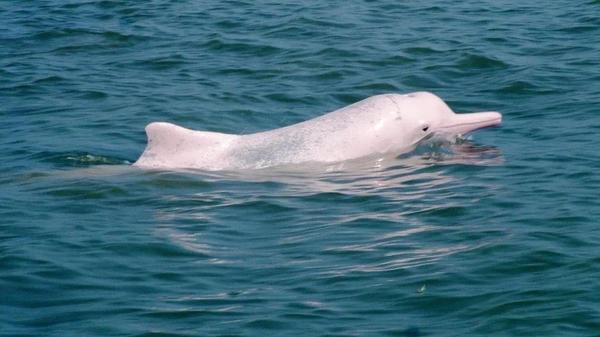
(382, 124)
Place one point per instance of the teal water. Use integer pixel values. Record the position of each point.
(495, 236)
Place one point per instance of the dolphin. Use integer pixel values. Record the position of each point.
(381, 124)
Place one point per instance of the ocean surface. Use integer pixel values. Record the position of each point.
(494, 235)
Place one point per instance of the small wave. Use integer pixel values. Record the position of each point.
(459, 151)
(78, 159)
(322, 23)
(422, 51)
(480, 62)
(73, 41)
(396, 60)
(107, 4)
(242, 47)
(290, 31)
(92, 94)
(73, 49)
(335, 53)
(186, 241)
(228, 24)
(286, 98)
(90, 159)
(422, 81)
(435, 9)
(162, 62)
(579, 29)
(53, 79)
(520, 87)
(379, 87)
(87, 192)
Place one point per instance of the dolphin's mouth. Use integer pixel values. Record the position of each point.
(426, 138)
(461, 124)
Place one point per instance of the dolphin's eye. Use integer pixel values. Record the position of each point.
(425, 127)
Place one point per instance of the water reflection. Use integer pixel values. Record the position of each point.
(372, 208)
(375, 207)
(424, 166)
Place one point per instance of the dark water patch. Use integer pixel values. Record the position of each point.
(76, 5)
(171, 334)
(421, 51)
(271, 208)
(444, 212)
(495, 39)
(58, 33)
(228, 24)
(420, 82)
(446, 72)
(522, 88)
(301, 317)
(92, 95)
(563, 238)
(242, 48)
(57, 274)
(76, 159)
(163, 62)
(434, 9)
(334, 53)
(480, 62)
(153, 249)
(105, 36)
(579, 29)
(291, 31)
(347, 98)
(52, 79)
(73, 49)
(184, 314)
(340, 198)
(122, 38)
(286, 98)
(407, 332)
(378, 87)
(396, 60)
(321, 23)
(86, 193)
(6, 73)
(331, 75)
(169, 180)
(221, 300)
(107, 4)
(239, 71)
(266, 324)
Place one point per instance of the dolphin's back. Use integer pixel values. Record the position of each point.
(325, 138)
(170, 145)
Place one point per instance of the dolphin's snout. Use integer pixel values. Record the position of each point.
(469, 122)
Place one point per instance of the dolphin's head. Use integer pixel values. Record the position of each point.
(425, 116)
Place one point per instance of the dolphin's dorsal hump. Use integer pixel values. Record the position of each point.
(166, 133)
(169, 142)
